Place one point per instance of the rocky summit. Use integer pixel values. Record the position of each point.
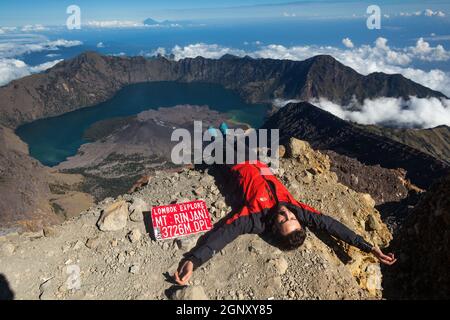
(107, 253)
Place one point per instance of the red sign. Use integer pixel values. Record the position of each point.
(180, 219)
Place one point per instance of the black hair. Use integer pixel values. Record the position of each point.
(293, 240)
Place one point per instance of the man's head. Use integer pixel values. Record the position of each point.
(290, 233)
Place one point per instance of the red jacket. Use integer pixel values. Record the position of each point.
(262, 191)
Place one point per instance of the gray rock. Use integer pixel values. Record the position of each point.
(78, 245)
(45, 290)
(207, 180)
(190, 293)
(372, 224)
(220, 204)
(121, 257)
(93, 243)
(134, 269)
(186, 244)
(50, 232)
(114, 217)
(137, 209)
(256, 247)
(200, 191)
(305, 177)
(297, 147)
(135, 235)
(280, 264)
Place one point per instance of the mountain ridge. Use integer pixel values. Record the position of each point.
(325, 131)
(91, 78)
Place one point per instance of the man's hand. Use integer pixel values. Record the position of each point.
(184, 272)
(388, 259)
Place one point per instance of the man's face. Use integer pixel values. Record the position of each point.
(286, 221)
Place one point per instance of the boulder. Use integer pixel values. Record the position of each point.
(134, 269)
(368, 200)
(137, 209)
(297, 147)
(114, 217)
(374, 278)
(372, 223)
(92, 243)
(135, 235)
(220, 204)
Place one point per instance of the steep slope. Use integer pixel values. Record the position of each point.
(326, 132)
(434, 141)
(91, 78)
(423, 243)
(32, 195)
(124, 265)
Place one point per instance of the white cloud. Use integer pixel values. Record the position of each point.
(286, 14)
(279, 103)
(348, 43)
(159, 52)
(33, 28)
(124, 24)
(435, 37)
(424, 51)
(431, 13)
(115, 24)
(4, 30)
(44, 66)
(424, 13)
(415, 112)
(24, 44)
(100, 45)
(212, 51)
(11, 69)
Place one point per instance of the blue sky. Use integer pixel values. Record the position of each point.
(52, 12)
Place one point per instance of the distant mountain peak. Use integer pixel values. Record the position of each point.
(229, 56)
(153, 22)
(150, 22)
(326, 58)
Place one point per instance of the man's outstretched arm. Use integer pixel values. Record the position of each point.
(215, 242)
(342, 232)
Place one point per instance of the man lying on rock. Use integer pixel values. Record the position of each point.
(268, 206)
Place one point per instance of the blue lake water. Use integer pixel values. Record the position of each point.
(54, 139)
